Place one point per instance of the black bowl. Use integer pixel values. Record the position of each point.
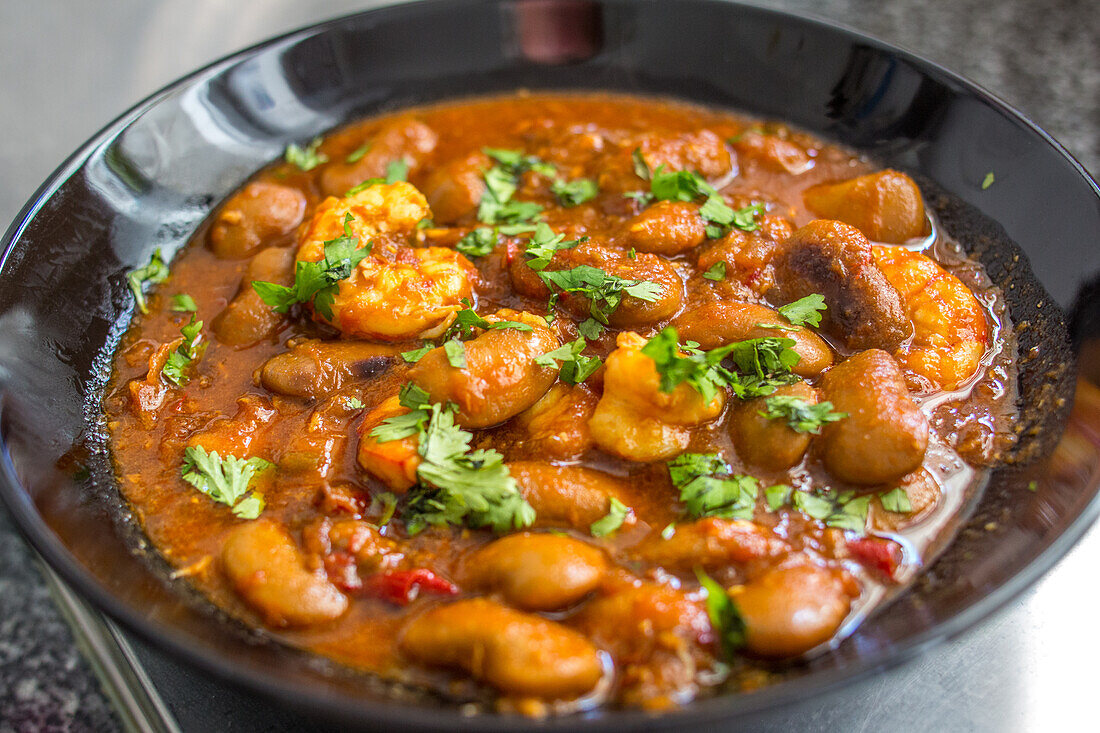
(150, 178)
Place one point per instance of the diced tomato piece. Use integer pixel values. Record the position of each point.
(403, 586)
(877, 553)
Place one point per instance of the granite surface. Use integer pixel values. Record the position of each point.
(70, 67)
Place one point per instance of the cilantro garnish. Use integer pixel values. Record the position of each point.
(575, 192)
(389, 505)
(501, 181)
(716, 272)
(724, 616)
(896, 500)
(843, 511)
(225, 480)
(183, 303)
(988, 180)
(700, 369)
(604, 291)
(306, 158)
(641, 168)
(609, 523)
(709, 489)
(458, 486)
(354, 403)
(688, 186)
(187, 352)
(414, 355)
(356, 155)
(154, 272)
(776, 496)
(317, 282)
(805, 310)
(455, 352)
(478, 242)
(575, 367)
(544, 243)
(801, 416)
(467, 321)
(761, 365)
(396, 170)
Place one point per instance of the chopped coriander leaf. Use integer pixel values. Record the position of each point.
(689, 186)
(467, 321)
(510, 230)
(478, 242)
(777, 326)
(604, 291)
(317, 282)
(845, 511)
(708, 489)
(183, 303)
(777, 496)
(397, 170)
(765, 359)
(354, 403)
(575, 192)
(679, 185)
(812, 505)
(632, 254)
(801, 416)
(356, 155)
(668, 531)
(411, 423)
(716, 272)
(609, 523)
(306, 158)
(544, 243)
(456, 353)
(641, 168)
(501, 181)
(413, 396)
(1032, 486)
(154, 272)
(805, 310)
(459, 486)
(189, 351)
(516, 162)
(851, 514)
(642, 197)
(389, 504)
(723, 614)
(988, 180)
(225, 480)
(425, 223)
(700, 369)
(414, 355)
(364, 186)
(590, 329)
(745, 219)
(896, 500)
(575, 367)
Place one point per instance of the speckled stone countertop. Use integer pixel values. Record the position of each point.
(71, 67)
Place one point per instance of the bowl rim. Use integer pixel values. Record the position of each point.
(331, 703)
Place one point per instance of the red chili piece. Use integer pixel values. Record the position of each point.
(403, 586)
(877, 553)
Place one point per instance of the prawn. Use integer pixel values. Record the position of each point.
(950, 331)
(393, 462)
(634, 419)
(397, 292)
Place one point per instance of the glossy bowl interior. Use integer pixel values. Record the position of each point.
(152, 176)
